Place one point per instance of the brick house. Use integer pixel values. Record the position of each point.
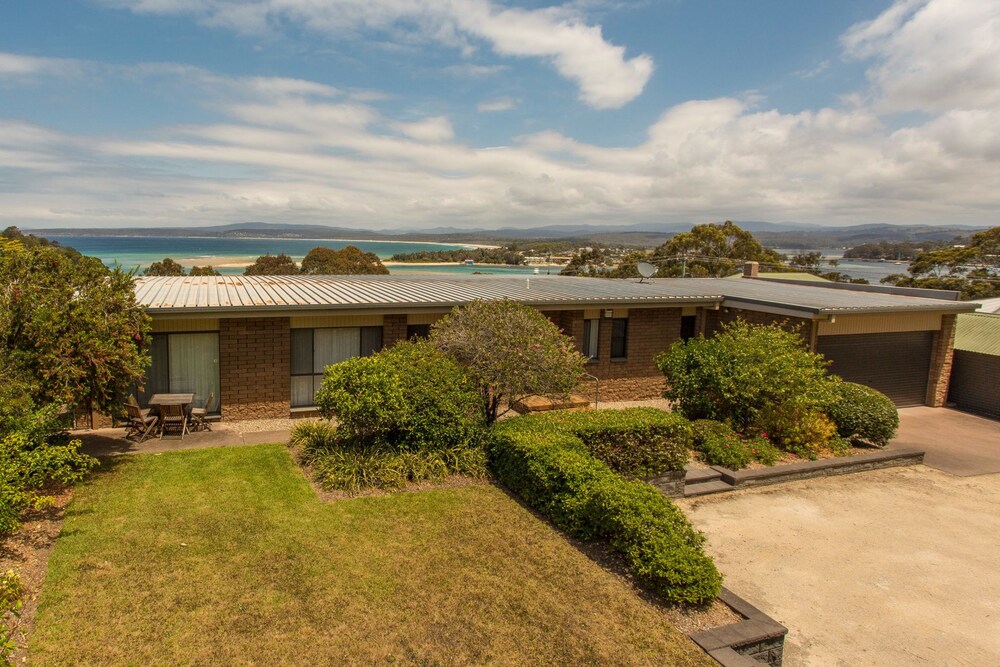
(259, 344)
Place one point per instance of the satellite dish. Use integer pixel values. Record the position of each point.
(646, 270)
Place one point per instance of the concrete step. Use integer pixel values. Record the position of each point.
(705, 488)
(696, 475)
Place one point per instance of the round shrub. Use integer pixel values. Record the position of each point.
(408, 397)
(742, 372)
(862, 412)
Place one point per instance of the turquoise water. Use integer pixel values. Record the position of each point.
(140, 251)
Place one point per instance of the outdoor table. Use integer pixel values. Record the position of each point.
(172, 399)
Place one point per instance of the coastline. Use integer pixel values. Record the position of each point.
(471, 246)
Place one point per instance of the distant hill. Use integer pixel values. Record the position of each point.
(773, 234)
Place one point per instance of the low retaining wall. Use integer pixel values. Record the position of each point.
(670, 484)
(756, 639)
(823, 468)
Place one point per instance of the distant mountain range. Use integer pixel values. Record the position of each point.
(774, 234)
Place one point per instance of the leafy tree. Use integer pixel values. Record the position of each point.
(972, 269)
(809, 261)
(167, 267)
(204, 271)
(71, 327)
(348, 261)
(272, 265)
(743, 372)
(511, 350)
(32, 241)
(711, 251)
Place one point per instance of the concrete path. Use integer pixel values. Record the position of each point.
(888, 567)
(956, 442)
(109, 441)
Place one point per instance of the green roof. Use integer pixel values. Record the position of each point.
(811, 277)
(978, 332)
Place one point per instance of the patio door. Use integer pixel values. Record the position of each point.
(184, 363)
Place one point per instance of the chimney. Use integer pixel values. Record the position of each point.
(750, 269)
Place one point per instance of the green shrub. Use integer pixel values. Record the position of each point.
(862, 412)
(742, 371)
(637, 442)
(720, 445)
(34, 455)
(408, 397)
(551, 469)
(11, 592)
(798, 430)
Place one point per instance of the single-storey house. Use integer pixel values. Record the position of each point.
(976, 366)
(259, 344)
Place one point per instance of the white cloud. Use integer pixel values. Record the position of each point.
(495, 105)
(932, 55)
(18, 65)
(297, 151)
(607, 79)
(472, 71)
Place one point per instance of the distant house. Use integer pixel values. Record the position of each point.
(260, 343)
(975, 372)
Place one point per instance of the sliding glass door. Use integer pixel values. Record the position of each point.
(184, 363)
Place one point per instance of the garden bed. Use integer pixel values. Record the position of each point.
(804, 469)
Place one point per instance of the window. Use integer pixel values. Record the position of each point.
(315, 349)
(417, 331)
(183, 363)
(590, 338)
(688, 324)
(619, 338)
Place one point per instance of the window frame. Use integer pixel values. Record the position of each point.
(619, 337)
(144, 395)
(592, 338)
(362, 352)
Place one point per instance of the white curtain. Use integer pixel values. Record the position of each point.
(194, 366)
(331, 346)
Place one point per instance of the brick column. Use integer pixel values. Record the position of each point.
(942, 354)
(393, 329)
(255, 367)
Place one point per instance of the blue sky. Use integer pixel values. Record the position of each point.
(483, 113)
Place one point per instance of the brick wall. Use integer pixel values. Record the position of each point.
(942, 354)
(714, 319)
(393, 329)
(254, 367)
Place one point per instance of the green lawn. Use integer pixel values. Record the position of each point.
(226, 556)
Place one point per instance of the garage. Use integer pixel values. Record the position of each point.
(897, 364)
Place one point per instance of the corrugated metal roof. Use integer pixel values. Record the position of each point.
(213, 293)
(978, 332)
(788, 275)
(189, 294)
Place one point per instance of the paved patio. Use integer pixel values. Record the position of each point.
(111, 441)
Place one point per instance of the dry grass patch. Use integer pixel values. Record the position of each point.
(226, 556)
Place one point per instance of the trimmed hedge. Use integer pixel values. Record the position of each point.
(862, 412)
(637, 442)
(551, 469)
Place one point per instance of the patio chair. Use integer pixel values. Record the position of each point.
(173, 418)
(199, 416)
(139, 423)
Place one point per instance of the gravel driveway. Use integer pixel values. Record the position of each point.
(890, 567)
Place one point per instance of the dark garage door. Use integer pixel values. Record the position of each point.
(896, 364)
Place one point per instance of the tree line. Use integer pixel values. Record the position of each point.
(321, 260)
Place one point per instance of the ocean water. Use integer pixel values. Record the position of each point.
(140, 251)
